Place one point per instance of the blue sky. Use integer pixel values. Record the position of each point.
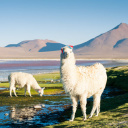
(65, 21)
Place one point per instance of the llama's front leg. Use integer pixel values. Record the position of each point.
(14, 88)
(28, 89)
(96, 103)
(83, 102)
(74, 107)
(25, 88)
(98, 109)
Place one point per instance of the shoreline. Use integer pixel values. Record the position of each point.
(43, 66)
(58, 59)
(29, 59)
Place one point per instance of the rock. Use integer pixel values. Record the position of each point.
(6, 114)
(37, 106)
(51, 81)
(43, 105)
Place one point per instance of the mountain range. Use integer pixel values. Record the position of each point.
(112, 44)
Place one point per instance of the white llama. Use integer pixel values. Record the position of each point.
(82, 82)
(24, 80)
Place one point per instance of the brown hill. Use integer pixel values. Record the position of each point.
(32, 45)
(108, 45)
(19, 53)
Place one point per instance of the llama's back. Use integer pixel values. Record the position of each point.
(21, 78)
(94, 78)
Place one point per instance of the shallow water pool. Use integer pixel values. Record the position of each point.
(43, 114)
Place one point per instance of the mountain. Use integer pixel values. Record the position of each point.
(113, 43)
(38, 45)
(19, 53)
(32, 49)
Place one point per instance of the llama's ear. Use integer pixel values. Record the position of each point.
(71, 46)
(62, 50)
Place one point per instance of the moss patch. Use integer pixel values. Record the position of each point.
(118, 77)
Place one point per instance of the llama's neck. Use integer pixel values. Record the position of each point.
(68, 74)
(68, 65)
(35, 86)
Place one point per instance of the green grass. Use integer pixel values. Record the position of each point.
(43, 80)
(56, 85)
(118, 77)
(47, 76)
(5, 99)
(114, 111)
(4, 85)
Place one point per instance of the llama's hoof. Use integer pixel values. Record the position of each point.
(84, 119)
(71, 120)
(90, 117)
(96, 115)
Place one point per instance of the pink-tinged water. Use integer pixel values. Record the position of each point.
(44, 66)
(21, 64)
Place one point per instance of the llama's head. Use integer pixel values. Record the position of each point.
(66, 52)
(41, 91)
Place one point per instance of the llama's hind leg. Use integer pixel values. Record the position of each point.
(96, 104)
(83, 102)
(12, 88)
(74, 105)
(28, 89)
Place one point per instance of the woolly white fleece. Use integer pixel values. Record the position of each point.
(82, 82)
(24, 80)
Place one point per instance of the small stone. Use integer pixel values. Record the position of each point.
(37, 106)
(6, 114)
(12, 110)
(43, 105)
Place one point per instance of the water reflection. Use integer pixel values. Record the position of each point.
(34, 114)
(21, 114)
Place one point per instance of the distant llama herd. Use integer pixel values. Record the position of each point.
(79, 82)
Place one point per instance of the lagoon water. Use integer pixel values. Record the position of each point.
(46, 66)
